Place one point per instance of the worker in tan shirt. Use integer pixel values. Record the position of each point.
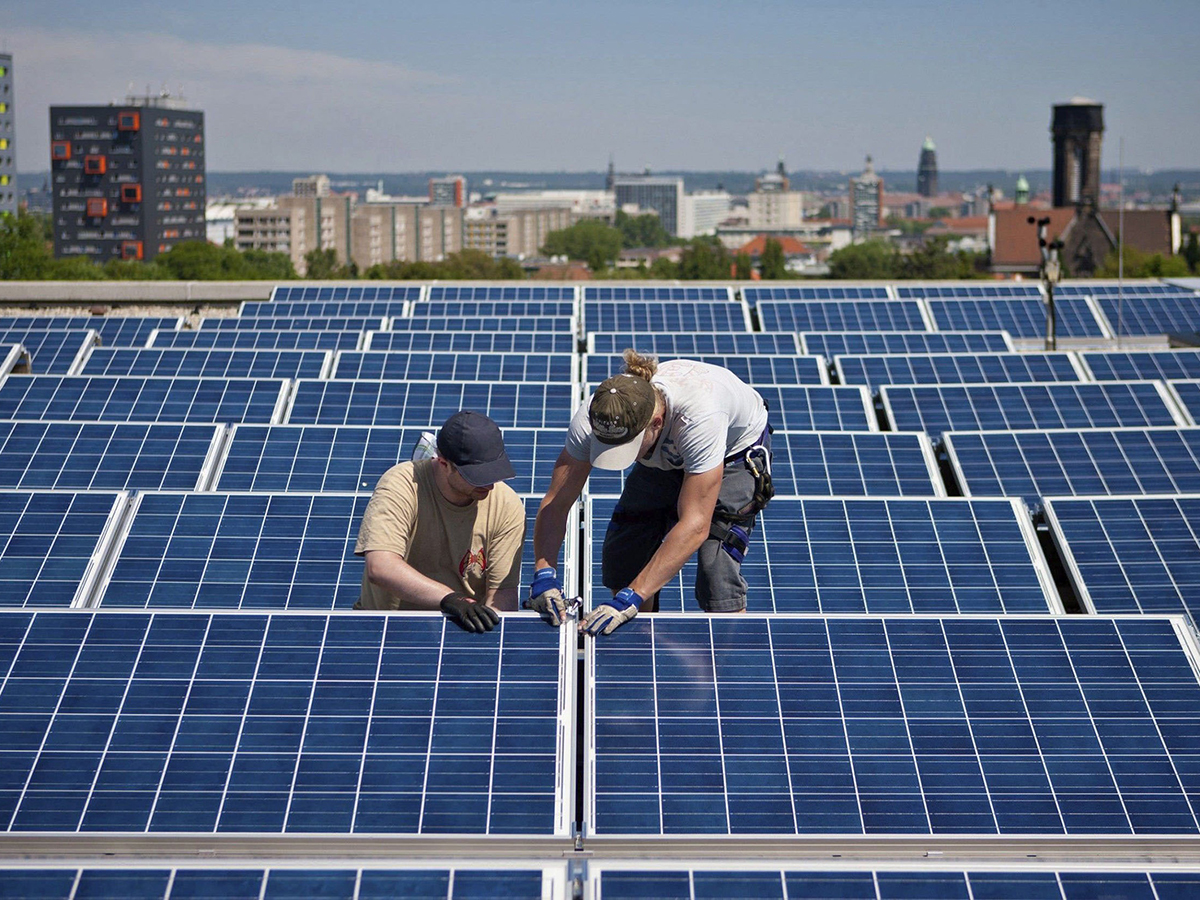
(446, 532)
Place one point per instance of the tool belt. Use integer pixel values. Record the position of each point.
(729, 526)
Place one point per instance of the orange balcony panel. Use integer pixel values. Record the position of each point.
(129, 121)
(131, 249)
(60, 150)
(95, 165)
(131, 193)
(97, 207)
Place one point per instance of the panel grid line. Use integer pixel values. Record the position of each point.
(712, 645)
(912, 748)
(245, 716)
(437, 686)
(362, 765)
(312, 690)
(787, 763)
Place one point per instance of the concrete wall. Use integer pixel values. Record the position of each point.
(119, 292)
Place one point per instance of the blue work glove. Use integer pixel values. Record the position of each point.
(546, 597)
(608, 617)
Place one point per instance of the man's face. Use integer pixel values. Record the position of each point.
(464, 487)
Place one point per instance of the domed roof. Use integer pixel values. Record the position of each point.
(928, 145)
(1022, 184)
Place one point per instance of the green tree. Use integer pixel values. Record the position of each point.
(870, 259)
(590, 240)
(934, 260)
(645, 230)
(262, 265)
(1192, 253)
(940, 212)
(135, 270)
(1142, 265)
(704, 259)
(772, 265)
(743, 266)
(320, 265)
(24, 251)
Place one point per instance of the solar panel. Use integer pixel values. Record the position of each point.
(1005, 407)
(285, 881)
(833, 343)
(486, 324)
(1187, 395)
(133, 398)
(236, 338)
(202, 362)
(756, 295)
(819, 407)
(494, 292)
(252, 551)
(471, 341)
(866, 555)
(350, 458)
(665, 315)
(283, 723)
(711, 343)
(345, 309)
(1023, 318)
(1033, 464)
(967, 289)
(106, 456)
(484, 309)
(1130, 554)
(519, 404)
(840, 315)
(1147, 366)
(51, 351)
(272, 323)
(750, 369)
(673, 293)
(957, 368)
(52, 545)
(779, 725)
(449, 366)
(1127, 288)
(344, 293)
(11, 356)
(677, 881)
(114, 331)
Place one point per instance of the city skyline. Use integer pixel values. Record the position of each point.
(529, 85)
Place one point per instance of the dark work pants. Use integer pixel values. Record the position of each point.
(645, 513)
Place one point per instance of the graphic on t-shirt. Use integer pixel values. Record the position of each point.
(473, 564)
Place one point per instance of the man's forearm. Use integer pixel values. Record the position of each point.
(392, 573)
(549, 530)
(677, 547)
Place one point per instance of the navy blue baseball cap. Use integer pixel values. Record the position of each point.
(474, 444)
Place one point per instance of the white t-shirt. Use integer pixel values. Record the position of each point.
(711, 414)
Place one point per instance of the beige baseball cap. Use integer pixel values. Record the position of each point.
(619, 412)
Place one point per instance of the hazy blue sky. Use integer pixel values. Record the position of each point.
(692, 84)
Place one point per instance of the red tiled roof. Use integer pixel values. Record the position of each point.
(1017, 240)
(791, 246)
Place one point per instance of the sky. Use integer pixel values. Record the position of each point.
(536, 85)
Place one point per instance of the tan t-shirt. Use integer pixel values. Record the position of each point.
(471, 549)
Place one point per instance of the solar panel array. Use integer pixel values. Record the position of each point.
(907, 666)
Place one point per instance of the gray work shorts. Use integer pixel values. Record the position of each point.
(647, 511)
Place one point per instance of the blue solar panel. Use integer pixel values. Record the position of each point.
(427, 404)
(1024, 318)
(677, 882)
(756, 295)
(819, 408)
(1187, 395)
(664, 315)
(450, 366)
(776, 725)
(1131, 554)
(346, 309)
(751, 369)
(713, 343)
(1127, 289)
(966, 290)
(204, 362)
(833, 343)
(956, 368)
(345, 293)
(835, 463)
(50, 351)
(509, 292)
(232, 338)
(840, 315)
(270, 323)
(105, 456)
(654, 293)
(903, 555)
(475, 310)
(114, 331)
(1034, 464)
(280, 882)
(1002, 407)
(1146, 366)
(52, 545)
(133, 398)
(281, 723)
(350, 458)
(488, 324)
(472, 341)
(247, 551)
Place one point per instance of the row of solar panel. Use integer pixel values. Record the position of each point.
(816, 554)
(755, 726)
(333, 881)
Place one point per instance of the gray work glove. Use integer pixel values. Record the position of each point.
(608, 617)
(546, 597)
